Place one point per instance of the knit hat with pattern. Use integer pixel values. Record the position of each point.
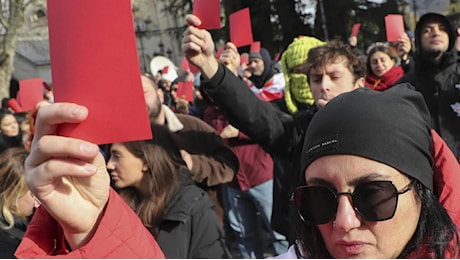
(296, 54)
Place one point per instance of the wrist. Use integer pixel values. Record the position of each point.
(209, 69)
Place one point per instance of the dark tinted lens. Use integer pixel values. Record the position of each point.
(376, 201)
(316, 204)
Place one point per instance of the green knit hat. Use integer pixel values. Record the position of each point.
(296, 54)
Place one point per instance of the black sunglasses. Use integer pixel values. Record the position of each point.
(374, 201)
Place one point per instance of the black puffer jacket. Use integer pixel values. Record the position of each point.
(440, 85)
(10, 239)
(190, 228)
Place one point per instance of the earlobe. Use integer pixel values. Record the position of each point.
(145, 168)
(360, 82)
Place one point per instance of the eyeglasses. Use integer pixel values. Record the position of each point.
(374, 201)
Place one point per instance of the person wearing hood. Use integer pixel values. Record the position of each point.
(268, 83)
(437, 76)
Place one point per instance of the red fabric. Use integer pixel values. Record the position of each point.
(386, 81)
(120, 234)
(445, 183)
(256, 165)
(446, 177)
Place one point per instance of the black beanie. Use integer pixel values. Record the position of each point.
(391, 127)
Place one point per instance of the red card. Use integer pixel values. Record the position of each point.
(14, 105)
(186, 66)
(209, 13)
(255, 47)
(30, 93)
(244, 59)
(90, 68)
(185, 90)
(394, 25)
(355, 29)
(219, 51)
(165, 70)
(240, 28)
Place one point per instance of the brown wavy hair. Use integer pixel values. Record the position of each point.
(332, 52)
(166, 175)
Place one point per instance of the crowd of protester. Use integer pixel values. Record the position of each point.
(256, 165)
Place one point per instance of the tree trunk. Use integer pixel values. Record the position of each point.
(13, 24)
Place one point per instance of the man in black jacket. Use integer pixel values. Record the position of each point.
(334, 70)
(437, 76)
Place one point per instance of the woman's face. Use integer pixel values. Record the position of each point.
(126, 170)
(9, 126)
(351, 236)
(381, 63)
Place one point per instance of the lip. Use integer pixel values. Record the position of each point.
(350, 247)
(437, 41)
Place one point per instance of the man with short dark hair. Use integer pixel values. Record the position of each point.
(437, 75)
(279, 133)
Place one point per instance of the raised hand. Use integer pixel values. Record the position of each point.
(230, 57)
(67, 175)
(404, 46)
(198, 47)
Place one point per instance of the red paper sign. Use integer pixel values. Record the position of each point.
(394, 25)
(90, 68)
(185, 90)
(355, 29)
(255, 47)
(209, 13)
(14, 105)
(244, 59)
(186, 66)
(219, 51)
(30, 93)
(240, 28)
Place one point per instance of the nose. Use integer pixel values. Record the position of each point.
(436, 30)
(346, 217)
(110, 164)
(326, 83)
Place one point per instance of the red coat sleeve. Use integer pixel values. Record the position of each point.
(446, 177)
(120, 234)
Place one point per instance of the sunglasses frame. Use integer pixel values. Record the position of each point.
(338, 194)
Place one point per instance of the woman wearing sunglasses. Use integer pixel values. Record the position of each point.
(369, 189)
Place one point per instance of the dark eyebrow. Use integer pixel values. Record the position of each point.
(353, 183)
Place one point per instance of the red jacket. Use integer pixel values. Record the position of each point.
(446, 177)
(120, 234)
(445, 180)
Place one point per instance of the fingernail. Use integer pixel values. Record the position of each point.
(89, 168)
(77, 111)
(88, 148)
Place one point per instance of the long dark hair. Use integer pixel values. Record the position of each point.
(167, 173)
(435, 236)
